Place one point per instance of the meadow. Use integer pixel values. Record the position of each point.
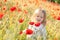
(15, 16)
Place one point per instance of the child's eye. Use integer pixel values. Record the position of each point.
(37, 16)
(41, 17)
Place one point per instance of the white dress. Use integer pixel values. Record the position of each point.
(37, 31)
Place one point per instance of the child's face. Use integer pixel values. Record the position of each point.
(39, 17)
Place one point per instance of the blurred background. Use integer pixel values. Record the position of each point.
(15, 17)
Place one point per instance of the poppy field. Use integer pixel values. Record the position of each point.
(15, 17)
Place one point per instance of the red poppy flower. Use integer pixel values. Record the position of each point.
(25, 11)
(0, 4)
(25, 5)
(17, 3)
(36, 1)
(1, 15)
(37, 24)
(13, 8)
(4, 8)
(19, 10)
(54, 17)
(30, 1)
(44, 0)
(29, 31)
(57, 9)
(52, 3)
(20, 32)
(58, 18)
(31, 23)
(21, 20)
(5, 0)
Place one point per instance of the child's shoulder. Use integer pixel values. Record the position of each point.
(42, 26)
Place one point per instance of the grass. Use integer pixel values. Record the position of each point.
(10, 26)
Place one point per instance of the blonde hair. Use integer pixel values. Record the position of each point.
(34, 14)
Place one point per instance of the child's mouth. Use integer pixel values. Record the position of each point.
(38, 20)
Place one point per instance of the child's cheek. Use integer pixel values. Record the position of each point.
(41, 19)
(36, 18)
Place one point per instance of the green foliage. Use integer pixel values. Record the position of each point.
(55, 1)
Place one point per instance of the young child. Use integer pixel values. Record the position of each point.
(37, 25)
